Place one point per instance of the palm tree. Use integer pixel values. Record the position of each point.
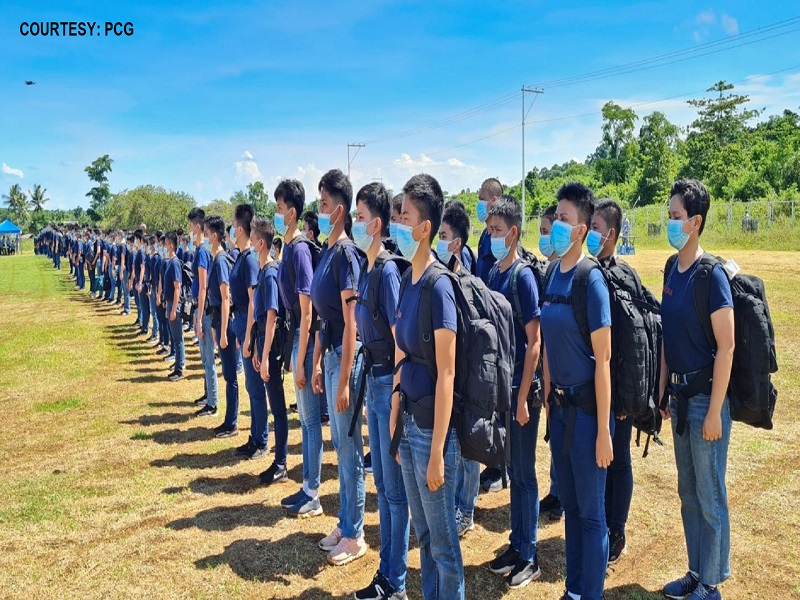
(38, 198)
(16, 201)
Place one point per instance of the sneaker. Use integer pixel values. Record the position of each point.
(306, 508)
(368, 462)
(226, 433)
(175, 376)
(169, 358)
(376, 590)
(274, 474)
(616, 546)
(201, 400)
(347, 550)
(551, 506)
(493, 482)
(256, 453)
(523, 573)
(464, 523)
(395, 595)
(161, 351)
(153, 340)
(239, 370)
(681, 588)
(245, 449)
(125, 313)
(323, 419)
(503, 564)
(207, 411)
(330, 541)
(290, 501)
(702, 592)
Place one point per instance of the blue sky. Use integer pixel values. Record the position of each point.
(205, 97)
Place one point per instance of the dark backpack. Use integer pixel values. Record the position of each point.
(340, 251)
(315, 251)
(750, 391)
(484, 360)
(278, 350)
(187, 278)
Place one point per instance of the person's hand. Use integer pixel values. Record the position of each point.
(223, 341)
(246, 348)
(712, 426)
(199, 329)
(173, 315)
(604, 451)
(523, 414)
(316, 381)
(343, 399)
(264, 370)
(665, 412)
(393, 424)
(435, 475)
(300, 376)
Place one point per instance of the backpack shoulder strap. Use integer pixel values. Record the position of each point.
(580, 289)
(702, 295)
(516, 303)
(668, 266)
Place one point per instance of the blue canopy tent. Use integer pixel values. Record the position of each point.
(9, 237)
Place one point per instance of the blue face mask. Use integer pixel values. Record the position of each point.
(561, 237)
(360, 236)
(499, 249)
(545, 247)
(594, 242)
(190, 246)
(207, 244)
(677, 239)
(443, 250)
(393, 230)
(280, 224)
(232, 235)
(483, 210)
(325, 226)
(406, 242)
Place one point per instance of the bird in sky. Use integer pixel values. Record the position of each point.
(30, 83)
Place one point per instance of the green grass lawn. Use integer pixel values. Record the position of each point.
(109, 487)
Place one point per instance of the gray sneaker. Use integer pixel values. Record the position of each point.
(464, 523)
(306, 508)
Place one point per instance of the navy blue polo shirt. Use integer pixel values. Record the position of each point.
(234, 252)
(415, 379)
(528, 294)
(172, 273)
(243, 277)
(466, 259)
(387, 305)
(570, 360)
(485, 258)
(266, 296)
(326, 295)
(179, 253)
(219, 274)
(148, 265)
(299, 255)
(201, 260)
(138, 260)
(686, 348)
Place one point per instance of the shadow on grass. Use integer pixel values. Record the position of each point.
(176, 404)
(179, 436)
(228, 518)
(162, 419)
(241, 483)
(631, 591)
(221, 458)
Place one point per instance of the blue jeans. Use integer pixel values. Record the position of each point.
(553, 479)
(113, 288)
(468, 482)
(582, 488)
(81, 276)
(524, 486)
(433, 513)
(277, 404)
(206, 345)
(164, 329)
(144, 311)
(227, 357)
(126, 295)
(701, 487)
(91, 280)
(308, 411)
(176, 331)
(349, 450)
(619, 480)
(392, 502)
(156, 325)
(255, 387)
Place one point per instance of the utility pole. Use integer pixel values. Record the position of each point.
(529, 90)
(349, 160)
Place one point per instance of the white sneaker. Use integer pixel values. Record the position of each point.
(329, 542)
(347, 550)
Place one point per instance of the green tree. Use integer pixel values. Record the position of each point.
(658, 144)
(157, 207)
(258, 197)
(100, 194)
(221, 208)
(17, 204)
(38, 198)
(616, 157)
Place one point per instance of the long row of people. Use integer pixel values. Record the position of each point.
(373, 316)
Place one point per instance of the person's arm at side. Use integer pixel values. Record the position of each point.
(225, 309)
(302, 345)
(546, 384)
(202, 286)
(250, 320)
(445, 344)
(662, 384)
(394, 416)
(532, 333)
(176, 298)
(348, 351)
(601, 348)
(722, 325)
(316, 371)
(269, 335)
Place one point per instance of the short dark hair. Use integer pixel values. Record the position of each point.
(216, 225)
(426, 195)
(172, 237)
(151, 239)
(550, 213)
(611, 213)
(456, 217)
(292, 193)
(340, 190)
(243, 214)
(278, 243)
(136, 234)
(581, 197)
(694, 196)
(508, 209)
(375, 197)
(311, 219)
(397, 203)
(263, 229)
(493, 186)
(159, 234)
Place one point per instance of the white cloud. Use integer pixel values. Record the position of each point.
(729, 24)
(707, 17)
(246, 170)
(707, 20)
(12, 171)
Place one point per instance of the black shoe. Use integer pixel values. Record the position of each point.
(493, 481)
(551, 506)
(616, 546)
(503, 564)
(523, 573)
(274, 474)
(201, 400)
(245, 449)
(207, 411)
(293, 407)
(375, 590)
(324, 419)
(175, 376)
(161, 351)
(256, 452)
(224, 432)
(368, 462)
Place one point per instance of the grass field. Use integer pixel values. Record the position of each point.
(110, 488)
